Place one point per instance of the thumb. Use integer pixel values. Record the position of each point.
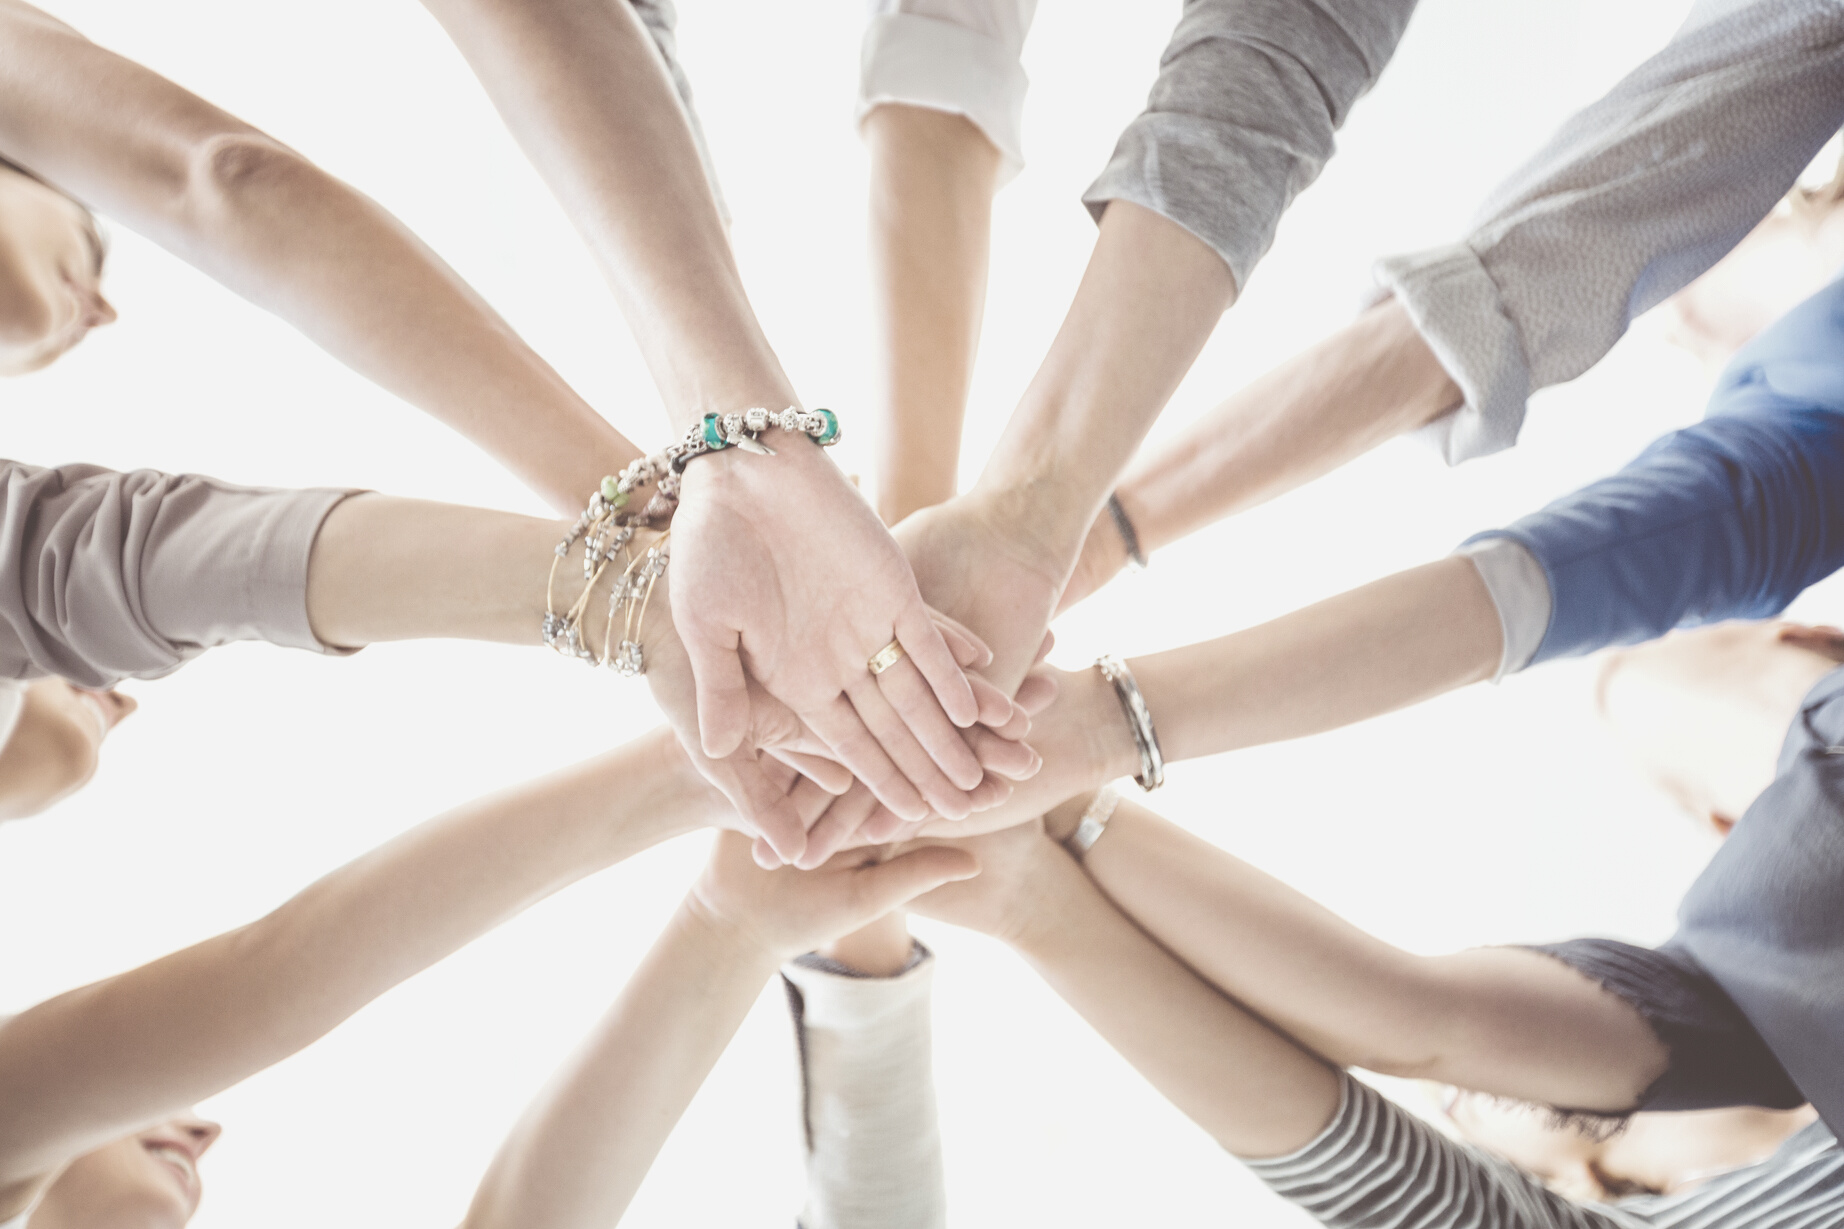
(889, 885)
(723, 693)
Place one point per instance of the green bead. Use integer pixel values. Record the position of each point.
(713, 433)
(619, 500)
(611, 491)
(831, 432)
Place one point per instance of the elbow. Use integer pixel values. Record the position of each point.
(230, 174)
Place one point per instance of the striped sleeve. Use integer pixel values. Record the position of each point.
(1379, 1167)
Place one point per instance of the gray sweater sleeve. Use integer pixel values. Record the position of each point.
(1631, 200)
(662, 22)
(106, 576)
(1241, 119)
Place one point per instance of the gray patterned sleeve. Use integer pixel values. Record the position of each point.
(1241, 118)
(1379, 1167)
(1631, 200)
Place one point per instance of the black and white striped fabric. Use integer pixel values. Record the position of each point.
(1379, 1167)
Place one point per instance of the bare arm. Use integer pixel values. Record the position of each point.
(1371, 381)
(88, 1066)
(278, 230)
(782, 572)
(580, 1152)
(1505, 1021)
(933, 175)
(1253, 1089)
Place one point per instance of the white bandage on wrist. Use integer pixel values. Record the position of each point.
(874, 1144)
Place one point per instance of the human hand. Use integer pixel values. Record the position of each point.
(784, 575)
(978, 562)
(1104, 554)
(1081, 737)
(1016, 875)
(787, 911)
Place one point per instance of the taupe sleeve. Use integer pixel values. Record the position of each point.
(1241, 119)
(106, 576)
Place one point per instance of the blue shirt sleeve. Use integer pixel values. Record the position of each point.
(1732, 518)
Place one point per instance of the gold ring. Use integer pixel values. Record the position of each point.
(886, 657)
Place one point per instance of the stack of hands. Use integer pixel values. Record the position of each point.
(764, 665)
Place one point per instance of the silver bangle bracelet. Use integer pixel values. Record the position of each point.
(1139, 719)
(1094, 822)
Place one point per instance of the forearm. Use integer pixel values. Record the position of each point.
(1503, 1021)
(385, 569)
(583, 90)
(1391, 643)
(276, 229)
(89, 1065)
(1370, 382)
(1256, 1092)
(932, 180)
(1149, 299)
(582, 1148)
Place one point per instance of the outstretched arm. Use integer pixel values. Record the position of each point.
(1317, 1137)
(278, 230)
(90, 1065)
(783, 573)
(1505, 1021)
(576, 1158)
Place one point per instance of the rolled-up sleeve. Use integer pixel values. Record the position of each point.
(1630, 201)
(106, 576)
(1242, 117)
(959, 56)
(1732, 518)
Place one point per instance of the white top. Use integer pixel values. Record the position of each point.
(960, 56)
(1520, 591)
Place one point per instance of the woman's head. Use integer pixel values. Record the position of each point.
(1646, 1154)
(1704, 712)
(51, 259)
(146, 1181)
(55, 744)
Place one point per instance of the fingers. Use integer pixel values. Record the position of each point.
(913, 759)
(841, 823)
(921, 639)
(884, 886)
(903, 689)
(830, 775)
(887, 826)
(996, 708)
(723, 695)
(838, 725)
(990, 792)
(1037, 692)
(1009, 758)
(764, 807)
(981, 653)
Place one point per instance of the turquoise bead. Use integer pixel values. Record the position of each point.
(831, 432)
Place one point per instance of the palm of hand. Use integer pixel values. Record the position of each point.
(1000, 899)
(968, 567)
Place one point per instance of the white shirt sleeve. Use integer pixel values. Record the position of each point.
(960, 56)
(1520, 591)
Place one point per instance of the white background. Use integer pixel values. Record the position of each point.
(1498, 814)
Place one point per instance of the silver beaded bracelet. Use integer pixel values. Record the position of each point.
(1139, 719)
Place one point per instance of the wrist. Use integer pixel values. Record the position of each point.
(731, 942)
(1109, 749)
(1046, 905)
